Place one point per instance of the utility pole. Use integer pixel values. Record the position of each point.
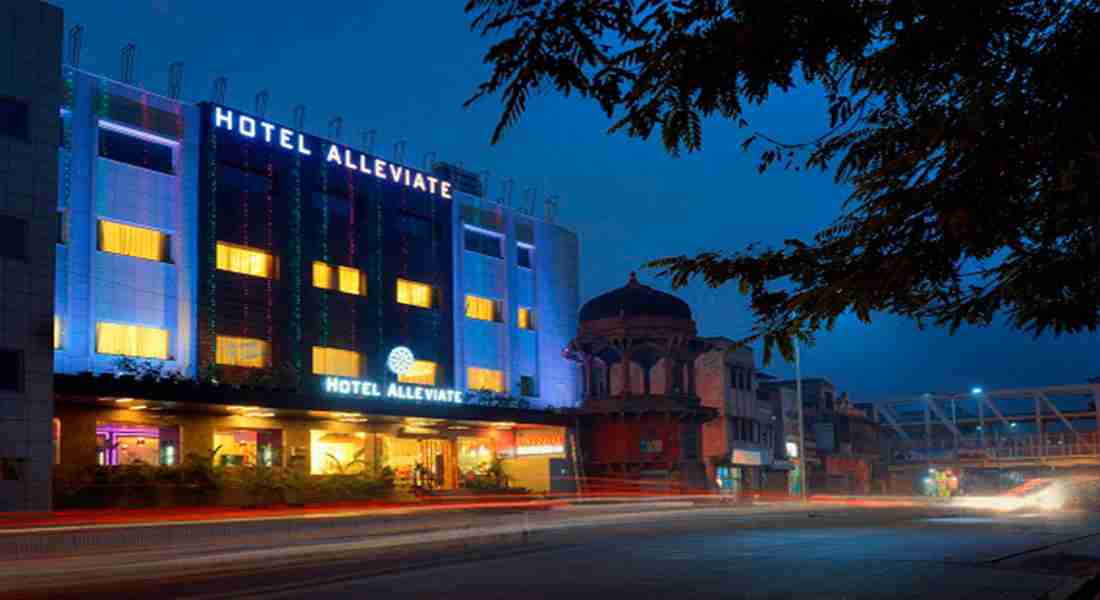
(804, 459)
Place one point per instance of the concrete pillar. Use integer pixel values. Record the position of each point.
(628, 373)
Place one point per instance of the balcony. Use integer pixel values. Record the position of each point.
(642, 404)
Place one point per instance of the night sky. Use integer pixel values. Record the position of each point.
(405, 70)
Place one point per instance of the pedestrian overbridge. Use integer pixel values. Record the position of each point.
(1054, 426)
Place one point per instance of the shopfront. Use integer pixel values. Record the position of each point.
(433, 447)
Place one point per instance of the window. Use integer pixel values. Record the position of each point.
(134, 148)
(483, 242)
(14, 119)
(484, 379)
(525, 255)
(334, 361)
(56, 332)
(414, 293)
(13, 238)
(422, 372)
(127, 444)
(322, 275)
(130, 240)
(248, 447)
(345, 279)
(248, 261)
(525, 318)
(416, 227)
(333, 453)
(62, 226)
(527, 386)
(482, 309)
(352, 281)
(131, 340)
(11, 370)
(242, 352)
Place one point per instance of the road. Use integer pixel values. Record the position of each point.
(611, 552)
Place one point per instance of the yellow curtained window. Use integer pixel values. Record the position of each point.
(414, 293)
(352, 281)
(484, 379)
(247, 261)
(129, 240)
(526, 318)
(322, 276)
(482, 309)
(131, 340)
(242, 352)
(348, 280)
(421, 372)
(334, 361)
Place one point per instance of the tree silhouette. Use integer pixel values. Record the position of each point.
(969, 134)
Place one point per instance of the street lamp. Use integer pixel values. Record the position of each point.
(803, 458)
(975, 390)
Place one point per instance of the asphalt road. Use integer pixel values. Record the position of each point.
(698, 553)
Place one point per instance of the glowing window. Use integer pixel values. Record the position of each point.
(484, 379)
(322, 276)
(352, 281)
(248, 261)
(335, 453)
(345, 279)
(129, 240)
(242, 352)
(131, 340)
(482, 309)
(414, 293)
(56, 332)
(421, 372)
(525, 318)
(334, 361)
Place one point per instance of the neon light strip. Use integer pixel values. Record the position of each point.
(138, 133)
(525, 245)
(485, 231)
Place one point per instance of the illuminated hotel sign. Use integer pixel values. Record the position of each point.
(394, 391)
(400, 361)
(353, 160)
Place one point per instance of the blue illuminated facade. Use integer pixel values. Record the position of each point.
(129, 183)
(137, 159)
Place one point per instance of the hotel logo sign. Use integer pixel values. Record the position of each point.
(353, 160)
(399, 362)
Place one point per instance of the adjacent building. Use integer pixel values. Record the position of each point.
(662, 406)
(842, 442)
(30, 94)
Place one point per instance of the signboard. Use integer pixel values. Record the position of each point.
(747, 457)
(399, 362)
(353, 160)
(529, 443)
(652, 446)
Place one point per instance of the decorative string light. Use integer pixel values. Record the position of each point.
(211, 244)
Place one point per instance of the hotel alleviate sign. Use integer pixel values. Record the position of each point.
(399, 362)
(353, 160)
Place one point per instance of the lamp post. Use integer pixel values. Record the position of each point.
(803, 458)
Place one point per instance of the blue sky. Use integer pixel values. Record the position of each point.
(404, 68)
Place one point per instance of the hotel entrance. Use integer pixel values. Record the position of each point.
(421, 463)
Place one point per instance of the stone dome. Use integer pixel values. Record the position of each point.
(634, 300)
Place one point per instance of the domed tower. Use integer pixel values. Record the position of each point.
(641, 413)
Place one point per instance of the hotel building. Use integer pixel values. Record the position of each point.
(228, 283)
